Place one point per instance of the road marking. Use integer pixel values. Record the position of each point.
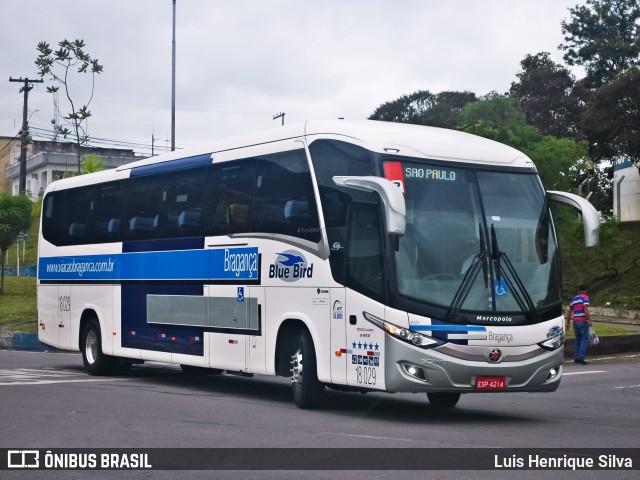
(629, 386)
(583, 373)
(46, 382)
(30, 376)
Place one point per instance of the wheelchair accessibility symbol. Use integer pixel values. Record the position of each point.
(500, 287)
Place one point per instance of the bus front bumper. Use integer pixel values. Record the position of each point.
(467, 369)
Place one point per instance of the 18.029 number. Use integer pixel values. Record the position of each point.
(365, 375)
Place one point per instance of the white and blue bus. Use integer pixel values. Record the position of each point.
(354, 255)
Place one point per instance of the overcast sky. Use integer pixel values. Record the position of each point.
(241, 62)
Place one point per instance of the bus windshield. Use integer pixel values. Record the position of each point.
(476, 240)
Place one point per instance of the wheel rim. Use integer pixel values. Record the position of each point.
(91, 346)
(296, 367)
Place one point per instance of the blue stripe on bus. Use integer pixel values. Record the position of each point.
(449, 328)
(216, 264)
(173, 165)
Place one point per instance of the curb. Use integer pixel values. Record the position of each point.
(615, 312)
(23, 341)
(607, 346)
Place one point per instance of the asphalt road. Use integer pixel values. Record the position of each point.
(48, 401)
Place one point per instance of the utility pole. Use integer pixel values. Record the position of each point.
(24, 133)
(280, 115)
(173, 82)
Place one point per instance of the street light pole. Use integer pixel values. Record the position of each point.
(173, 82)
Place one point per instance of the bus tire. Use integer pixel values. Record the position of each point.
(443, 400)
(95, 362)
(307, 389)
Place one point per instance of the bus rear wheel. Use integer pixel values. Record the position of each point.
(443, 400)
(95, 362)
(307, 389)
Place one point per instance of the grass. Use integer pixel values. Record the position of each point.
(604, 330)
(18, 304)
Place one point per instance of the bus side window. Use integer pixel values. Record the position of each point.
(229, 197)
(285, 202)
(106, 213)
(142, 201)
(80, 203)
(182, 199)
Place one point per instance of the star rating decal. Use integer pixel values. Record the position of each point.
(366, 346)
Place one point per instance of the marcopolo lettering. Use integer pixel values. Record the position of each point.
(490, 318)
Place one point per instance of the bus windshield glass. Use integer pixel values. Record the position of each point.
(476, 240)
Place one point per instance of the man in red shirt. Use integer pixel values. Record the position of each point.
(579, 310)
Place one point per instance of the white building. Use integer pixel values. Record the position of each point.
(49, 161)
(626, 190)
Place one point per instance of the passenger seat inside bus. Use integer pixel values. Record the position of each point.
(297, 215)
(142, 227)
(113, 229)
(189, 222)
(237, 216)
(77, 231)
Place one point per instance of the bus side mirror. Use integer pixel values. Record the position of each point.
(392, 199)
(590, 217)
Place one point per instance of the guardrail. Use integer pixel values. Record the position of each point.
(26, 271)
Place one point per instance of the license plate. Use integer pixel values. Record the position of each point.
(491, 383)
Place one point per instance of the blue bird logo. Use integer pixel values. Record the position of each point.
(290, 259)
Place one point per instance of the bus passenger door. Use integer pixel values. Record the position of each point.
(365, 289)
(340, 360)
(228, 321)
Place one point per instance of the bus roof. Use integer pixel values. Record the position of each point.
(383, 137)
(403, 139)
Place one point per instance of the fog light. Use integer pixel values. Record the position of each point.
(414, 371)
(553, 373)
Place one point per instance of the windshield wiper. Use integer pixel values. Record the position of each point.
(511, 277)
(524, 301)
(479, 262)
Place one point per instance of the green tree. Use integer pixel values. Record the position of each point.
(58, 66)
(556, 160)
(604, 37)
(15, 217)
(499, 118)
(612, 118)
(545, 92)
(91, 163)
(425, 108)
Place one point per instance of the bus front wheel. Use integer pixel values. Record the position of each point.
(443, 400)
(307, 389)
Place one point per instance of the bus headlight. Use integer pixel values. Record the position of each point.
(414, 338)
(553, 342)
